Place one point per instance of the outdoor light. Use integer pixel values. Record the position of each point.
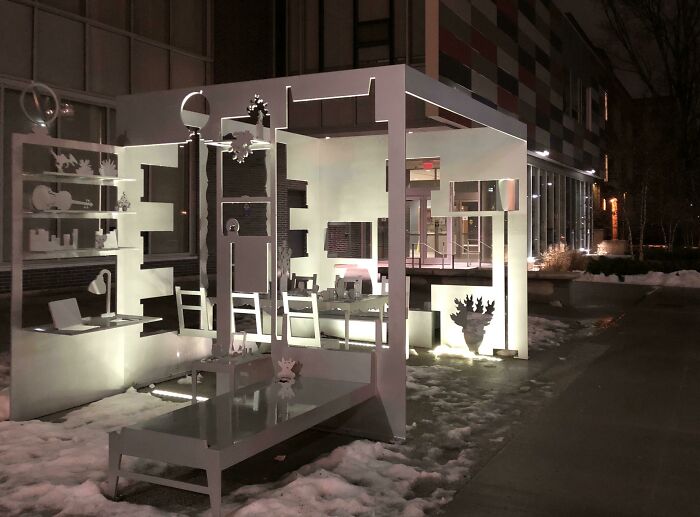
(590, 171)
(543, 153)
(549, 183)
(98, 286)
(328, 138)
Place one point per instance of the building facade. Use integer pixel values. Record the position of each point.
(90, 52)
(525, 58)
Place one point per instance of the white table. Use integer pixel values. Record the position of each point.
(348, 306)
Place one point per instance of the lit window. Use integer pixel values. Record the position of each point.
(605, 106)
(605, 167)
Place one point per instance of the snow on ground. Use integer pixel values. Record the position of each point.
(683, 278)
(47, 467)
(453, 423)
(4, 386)
(545, 333)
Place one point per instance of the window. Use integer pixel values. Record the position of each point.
(172, 187)
(589, 109)
(605, 106)
(349, 240)
(605, 167)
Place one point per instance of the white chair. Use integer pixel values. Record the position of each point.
(254, 300)
(204, 307)
(290, 314)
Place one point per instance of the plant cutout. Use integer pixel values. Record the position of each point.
(473, 320)
(63, 161)
(286, 374)
(240, 145)
(257, 109)
(108, 168)
(284, 254)
(123, 204)
(84, 168)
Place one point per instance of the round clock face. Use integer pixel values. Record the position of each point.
(194, 110)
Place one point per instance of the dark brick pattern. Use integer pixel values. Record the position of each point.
(516, 56)
(72, 275)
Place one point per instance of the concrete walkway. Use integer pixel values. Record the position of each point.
(622, 439)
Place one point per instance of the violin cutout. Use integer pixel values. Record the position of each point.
(43, 198)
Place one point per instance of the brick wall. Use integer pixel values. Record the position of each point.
(75, 275)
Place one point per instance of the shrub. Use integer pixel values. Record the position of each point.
(559, 258)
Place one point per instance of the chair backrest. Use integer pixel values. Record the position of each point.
(308, 302)
(299, 281)
(254, 300)
(348, 281)
(203, 307)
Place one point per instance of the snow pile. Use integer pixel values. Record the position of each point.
(454, 422)
(544, 333)
(683, 278)
(46, 467)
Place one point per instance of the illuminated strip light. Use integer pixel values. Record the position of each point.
(176, 395)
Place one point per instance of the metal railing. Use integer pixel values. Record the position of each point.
(442, 254)
(468, 247)
(427, 246)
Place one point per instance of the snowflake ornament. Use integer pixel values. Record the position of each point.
(257, 105)
(240, 146)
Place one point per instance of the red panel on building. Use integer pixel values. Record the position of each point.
(526, 77)
(483, 45)
(507, 100)
(454, 47)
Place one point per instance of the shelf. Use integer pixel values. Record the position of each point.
(99, 324)
(75, 214)
(67, 177)
(84, 252)
(246, 199)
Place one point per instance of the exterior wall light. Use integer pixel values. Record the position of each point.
(544, 153)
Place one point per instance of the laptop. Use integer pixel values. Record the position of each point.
(66, 316)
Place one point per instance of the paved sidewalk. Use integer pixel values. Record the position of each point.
(622, 439)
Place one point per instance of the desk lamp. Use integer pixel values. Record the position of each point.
(98, 286)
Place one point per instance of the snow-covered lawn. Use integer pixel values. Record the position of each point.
(683, 278)
(454, 422)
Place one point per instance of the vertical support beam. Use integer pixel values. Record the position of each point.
(16, 254)
(223, 268)
(390, 105)
(517, 274)
(203, 209)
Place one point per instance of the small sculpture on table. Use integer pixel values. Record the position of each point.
(285, 374)
(106, 241)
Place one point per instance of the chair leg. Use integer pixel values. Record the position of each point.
(214, 484)
(115, 460)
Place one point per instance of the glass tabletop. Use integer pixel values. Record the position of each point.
(229, 419)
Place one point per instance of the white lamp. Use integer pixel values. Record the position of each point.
(98, 286)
